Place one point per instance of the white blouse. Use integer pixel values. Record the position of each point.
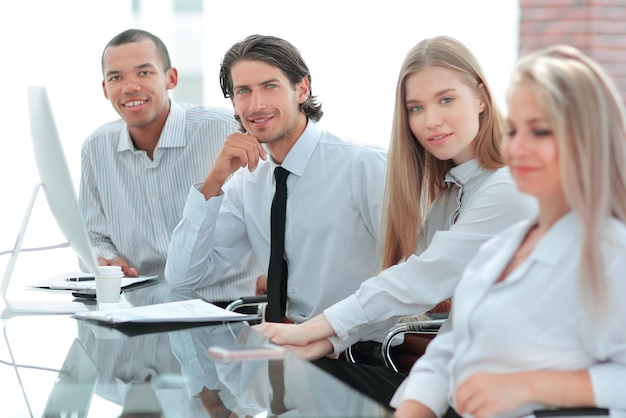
(533, 320)
(477, 205)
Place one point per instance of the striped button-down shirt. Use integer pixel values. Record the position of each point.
(131, 204)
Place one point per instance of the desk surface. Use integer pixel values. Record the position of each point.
(49, 365)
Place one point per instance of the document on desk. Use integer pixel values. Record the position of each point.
(193, 310)
(83, 281)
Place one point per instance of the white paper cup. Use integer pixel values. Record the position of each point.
(108, 284)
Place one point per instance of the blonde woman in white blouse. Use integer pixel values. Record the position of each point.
(539, 319)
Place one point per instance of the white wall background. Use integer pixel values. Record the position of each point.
(354, 50)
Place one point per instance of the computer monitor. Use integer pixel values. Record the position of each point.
(55, 175)
(61, 196)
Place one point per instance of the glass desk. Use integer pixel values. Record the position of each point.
(57, 366)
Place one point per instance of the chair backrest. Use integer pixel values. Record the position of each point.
(418, 333)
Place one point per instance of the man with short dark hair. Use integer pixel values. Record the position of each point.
(334, 189)
(136, 170)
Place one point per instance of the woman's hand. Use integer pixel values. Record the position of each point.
(283, 334)
(486, 394)
(413, 409)
(312, 351)
(313, 330)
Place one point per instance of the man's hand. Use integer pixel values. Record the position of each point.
(119, 261)
(261, 285)
(239, 150)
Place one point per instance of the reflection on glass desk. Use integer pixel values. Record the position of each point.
(54, 365)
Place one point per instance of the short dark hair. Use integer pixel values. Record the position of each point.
(277, 53)
(137, 35)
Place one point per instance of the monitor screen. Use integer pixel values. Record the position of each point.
(55, 175)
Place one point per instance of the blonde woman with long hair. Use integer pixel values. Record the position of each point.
(543, 300)
(447, 193)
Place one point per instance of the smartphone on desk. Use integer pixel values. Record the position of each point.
(245, 353)
(86, 293)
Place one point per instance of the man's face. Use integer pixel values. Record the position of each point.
(136, 84)
(266, 102)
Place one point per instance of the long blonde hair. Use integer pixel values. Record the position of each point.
(414, 176)
(587, 116)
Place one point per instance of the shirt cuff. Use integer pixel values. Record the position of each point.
(197, 208)
(606, 392)
(346, 317)
(339, 345)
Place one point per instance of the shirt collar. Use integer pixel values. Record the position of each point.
(460, 174)
(300, 154)
(172, 135)
(551, 248)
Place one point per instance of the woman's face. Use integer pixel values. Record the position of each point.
(443, 113)
(530, 147)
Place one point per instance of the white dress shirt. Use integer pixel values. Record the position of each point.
(131, 204)
(335, 191)
(477, 204)
(533, 320)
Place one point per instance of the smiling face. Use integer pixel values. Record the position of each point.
(267, 104)
(137, 85)
(530, 147)
(443, 113)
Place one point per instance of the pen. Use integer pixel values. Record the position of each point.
(80, 279)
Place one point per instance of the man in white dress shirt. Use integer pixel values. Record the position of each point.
(335, 188)
(136, 171)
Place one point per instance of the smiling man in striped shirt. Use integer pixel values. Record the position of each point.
(137, 170)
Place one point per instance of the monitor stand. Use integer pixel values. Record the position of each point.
(26, 306)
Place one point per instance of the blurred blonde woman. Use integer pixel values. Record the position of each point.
(539, 318)
(447, 193)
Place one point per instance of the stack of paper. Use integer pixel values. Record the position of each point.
(194, 310)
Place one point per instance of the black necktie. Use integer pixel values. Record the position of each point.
(277, 272)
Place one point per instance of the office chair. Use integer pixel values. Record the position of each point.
(259, 301)
(417, 332)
